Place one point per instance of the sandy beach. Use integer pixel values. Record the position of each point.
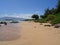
(32, 33)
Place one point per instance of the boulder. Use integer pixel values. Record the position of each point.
(56, 25)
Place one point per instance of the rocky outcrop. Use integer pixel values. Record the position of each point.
(57, 25)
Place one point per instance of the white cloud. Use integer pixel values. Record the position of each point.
(27, 16)
(37, 12)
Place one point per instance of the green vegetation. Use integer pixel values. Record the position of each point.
(56, 20)
(51, 15)
(35, 16)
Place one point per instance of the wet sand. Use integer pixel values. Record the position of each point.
(35, 34)
(9, 32)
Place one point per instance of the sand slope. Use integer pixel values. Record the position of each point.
(35, 34)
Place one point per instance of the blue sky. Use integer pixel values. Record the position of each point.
(24, 8)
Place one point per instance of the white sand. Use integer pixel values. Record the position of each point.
(35, 34)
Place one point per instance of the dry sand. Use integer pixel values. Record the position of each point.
(35, 34)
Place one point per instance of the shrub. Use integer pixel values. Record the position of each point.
(42, 20)
(56, 20)
(50, 17)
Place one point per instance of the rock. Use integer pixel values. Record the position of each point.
(5, 23)
(56, 25)
(0, 25)
(48, 25)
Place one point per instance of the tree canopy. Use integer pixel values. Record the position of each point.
(35, 16)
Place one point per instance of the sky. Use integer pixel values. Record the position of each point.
(24, 8)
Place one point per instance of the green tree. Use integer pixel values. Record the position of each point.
(42, 16)
(53, 11)
(35, 16)
(47, 12)
(58, 6)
